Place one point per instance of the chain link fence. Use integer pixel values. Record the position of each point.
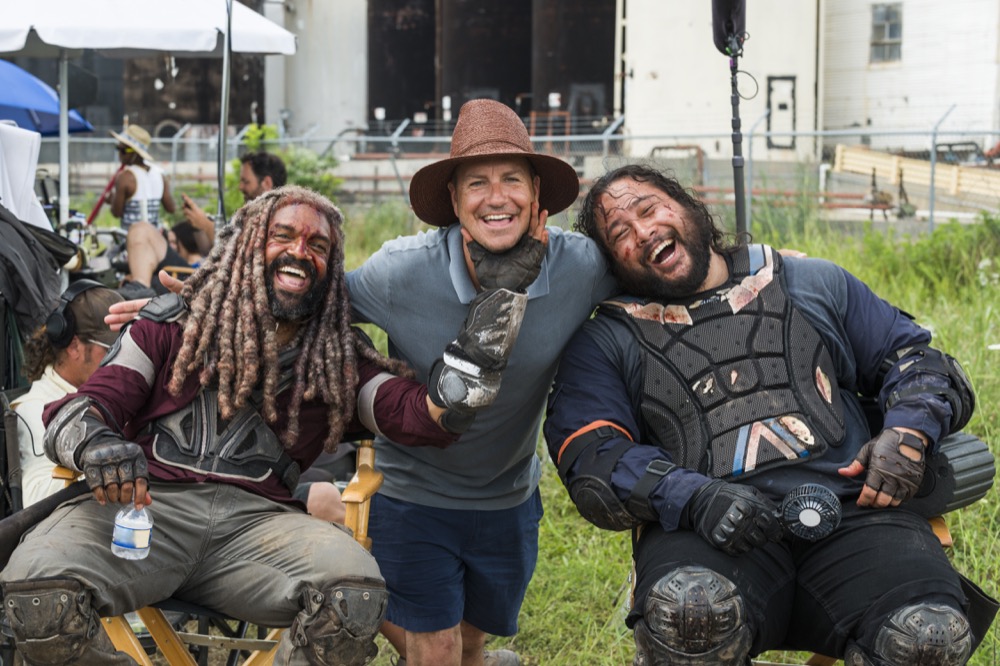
(916, 176)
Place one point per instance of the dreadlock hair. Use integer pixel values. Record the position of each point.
(230, 332)
(697, 211)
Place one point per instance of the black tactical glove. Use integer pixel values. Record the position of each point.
(732, 517)
(114, 467)
(514, 269)
(890, 471)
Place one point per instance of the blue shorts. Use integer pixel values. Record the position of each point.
(443, 566)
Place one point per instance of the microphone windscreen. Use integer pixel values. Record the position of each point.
(729, 20)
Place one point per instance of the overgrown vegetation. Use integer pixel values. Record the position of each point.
(947, 280)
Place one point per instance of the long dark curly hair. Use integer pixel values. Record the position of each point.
(586, 222)
(230, 332)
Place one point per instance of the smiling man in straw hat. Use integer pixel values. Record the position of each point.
(140, 185)
(455, 532)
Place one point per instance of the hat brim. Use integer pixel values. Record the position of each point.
(128, 141)
(431, 201)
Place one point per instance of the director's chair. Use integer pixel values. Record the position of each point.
(176, 646)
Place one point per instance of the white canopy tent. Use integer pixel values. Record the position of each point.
(133, 28)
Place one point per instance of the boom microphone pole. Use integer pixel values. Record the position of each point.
(729, 33)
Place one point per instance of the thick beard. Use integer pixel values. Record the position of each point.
(644, 281)
(306, 305)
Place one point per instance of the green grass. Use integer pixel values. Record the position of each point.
(573, 613)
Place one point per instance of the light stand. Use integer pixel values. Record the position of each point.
(738, 187)
(729, 31)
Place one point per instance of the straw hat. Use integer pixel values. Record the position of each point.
(486, 128)
(137, 139)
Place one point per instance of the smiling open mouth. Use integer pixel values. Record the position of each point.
(498, 217)
(663, 251)
(292, 278)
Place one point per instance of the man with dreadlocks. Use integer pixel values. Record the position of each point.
(213, 412)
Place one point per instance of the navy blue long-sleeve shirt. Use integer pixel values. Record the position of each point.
(600, 381)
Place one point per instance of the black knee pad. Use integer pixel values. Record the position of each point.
(52, 620)
(918, 635)
(336, 626)
(693, 616)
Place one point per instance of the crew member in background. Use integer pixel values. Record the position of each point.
(140, 186)
(259, 172)
(58, 357)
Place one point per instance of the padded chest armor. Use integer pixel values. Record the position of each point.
(196, 438)
(739, 381)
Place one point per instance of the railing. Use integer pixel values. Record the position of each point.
(376, 163)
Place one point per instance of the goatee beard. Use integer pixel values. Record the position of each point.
(644, 281)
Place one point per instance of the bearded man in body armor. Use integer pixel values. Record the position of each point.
(725, 378)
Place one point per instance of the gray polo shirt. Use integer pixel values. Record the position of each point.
(417, 289)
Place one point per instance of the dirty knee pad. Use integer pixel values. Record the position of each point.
(336, 626)
(52, 620)
(918, 635)
(693, 616)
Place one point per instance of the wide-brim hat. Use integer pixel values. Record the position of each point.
(486, 128)
(137, 139)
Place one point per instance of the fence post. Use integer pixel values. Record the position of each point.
(930, 207)
(392, 158)
(173, 151)
(606, 135)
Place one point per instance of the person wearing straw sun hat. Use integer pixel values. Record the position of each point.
(455, 532)
(140, 185)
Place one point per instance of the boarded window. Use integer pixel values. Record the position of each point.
(887, 33)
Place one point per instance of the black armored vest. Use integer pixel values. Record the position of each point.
(197, 438)
(738, 381)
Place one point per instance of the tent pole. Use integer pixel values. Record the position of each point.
(224, 113)
(63, 137)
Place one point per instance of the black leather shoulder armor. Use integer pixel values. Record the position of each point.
(164, 308)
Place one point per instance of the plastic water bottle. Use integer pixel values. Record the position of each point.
(133, 530)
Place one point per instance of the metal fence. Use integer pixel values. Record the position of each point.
(924, 175)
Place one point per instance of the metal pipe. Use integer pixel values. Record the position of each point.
(63, 137)
(392, 157)
(174, 142)
(606, 135)
(227, 43)
(619, 80)
(753, 128)
(738, 187)
(930, 205)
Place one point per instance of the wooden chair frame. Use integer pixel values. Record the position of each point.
(174, 645)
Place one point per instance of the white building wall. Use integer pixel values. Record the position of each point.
(322, 89)
(949, 57)
(677, 82)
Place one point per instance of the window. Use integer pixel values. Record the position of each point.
(887, 33)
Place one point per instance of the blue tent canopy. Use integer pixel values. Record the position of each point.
(32, 103)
